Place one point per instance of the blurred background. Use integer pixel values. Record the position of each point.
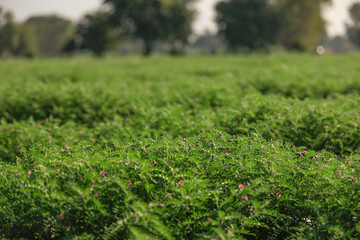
(49, 28)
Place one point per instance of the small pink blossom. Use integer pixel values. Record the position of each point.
(208, 219)
(81, 178)
(185, 140)
(61, 217)
(255, 139)
(292, 144)
(142, 148)
(245, 198)
(304, 152)
(102, 173)
(96, 195)
(29, 172)
(154, 162)
(54, 171)
(298, 169)
(234, 136)
(67, 148)
(94, 141)
(226, 154)
(181, 183)
(278, 194)
(352, 179)
(38, 125)
(62, 150)
(47, 120)
(326, 127)
(241, 186)
(65, 140)
(168, 196)
(338, 174)
(92, 181)
(128, 182)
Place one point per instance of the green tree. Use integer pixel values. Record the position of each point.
(52, 33)
(9, 33)
(153, 20)
(353, 30)
(302, 24)
(246, 24)
(94, 33)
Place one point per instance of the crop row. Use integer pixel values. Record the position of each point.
(207, 186)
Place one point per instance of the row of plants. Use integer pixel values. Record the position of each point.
(212, 185)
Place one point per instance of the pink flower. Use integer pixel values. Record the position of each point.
(96, 195)
(38, 125)
(241, 186)
(62, 150)
(94, 141)
(208, 219)
(61, 217)
(128, 182)
(245, 198)
(338, 174)
(81, 178)
(181, 183)
(168, 196)
(65, 140)
(278, 194)
(185, 140)
(102, 173)
(154, 162)
(226, 154)
(326, 127)
(298, 169)
(47, 120)
(67, 148)
(29, 172)
(304, 152)
(292, 144)
(255, 139)
(234, 136)
(142, 148)
(54, 171)
(352, 179)
(92, 181)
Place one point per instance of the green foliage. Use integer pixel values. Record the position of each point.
(253, 24)
(353, 30)
(219, 148)
(153, 20)
(246, 24)
(302, 24)
(94, 33)
(52, 32)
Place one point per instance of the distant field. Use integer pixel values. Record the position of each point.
(253, 147)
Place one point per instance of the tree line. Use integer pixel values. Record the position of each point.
(245, 25)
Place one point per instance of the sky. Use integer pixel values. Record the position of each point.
(336, 15)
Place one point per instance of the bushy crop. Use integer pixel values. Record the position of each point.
(253, 147)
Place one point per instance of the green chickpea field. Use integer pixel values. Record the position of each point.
(197, 147)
